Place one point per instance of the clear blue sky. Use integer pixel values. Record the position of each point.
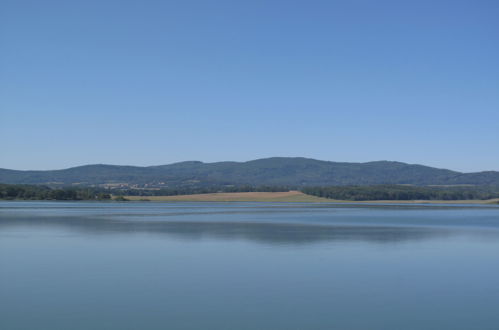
(155, 82)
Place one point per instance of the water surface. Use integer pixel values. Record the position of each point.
(91, 265)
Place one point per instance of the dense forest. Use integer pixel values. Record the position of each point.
(30, 192)
(400, 192)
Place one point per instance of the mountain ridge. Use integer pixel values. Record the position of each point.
(284, 171)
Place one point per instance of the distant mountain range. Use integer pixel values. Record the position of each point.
(283, 171)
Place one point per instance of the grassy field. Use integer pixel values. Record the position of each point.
(289, 196)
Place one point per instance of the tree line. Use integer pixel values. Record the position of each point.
(32, 192)
(352, 193)
(36, 192)
(400, 192)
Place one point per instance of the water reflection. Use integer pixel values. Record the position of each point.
(258, 232)
(269, 224)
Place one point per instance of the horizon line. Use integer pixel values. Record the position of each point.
(247, 161)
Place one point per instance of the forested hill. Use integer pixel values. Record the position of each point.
(293, 172)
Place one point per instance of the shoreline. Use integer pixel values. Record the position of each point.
(260, 197)
(290, 196)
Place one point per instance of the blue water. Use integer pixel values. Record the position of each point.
(90, 265)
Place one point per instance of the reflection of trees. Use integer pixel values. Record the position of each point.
(269, 233)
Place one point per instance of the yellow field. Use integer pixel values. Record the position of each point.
(289, 196)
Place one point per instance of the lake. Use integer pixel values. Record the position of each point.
(91, 265)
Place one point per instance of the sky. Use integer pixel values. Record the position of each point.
(156, 82)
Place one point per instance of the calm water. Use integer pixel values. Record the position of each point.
(247, 266)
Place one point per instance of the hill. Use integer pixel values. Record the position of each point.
(277, 171)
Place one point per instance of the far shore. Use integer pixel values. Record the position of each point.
(289, 196)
